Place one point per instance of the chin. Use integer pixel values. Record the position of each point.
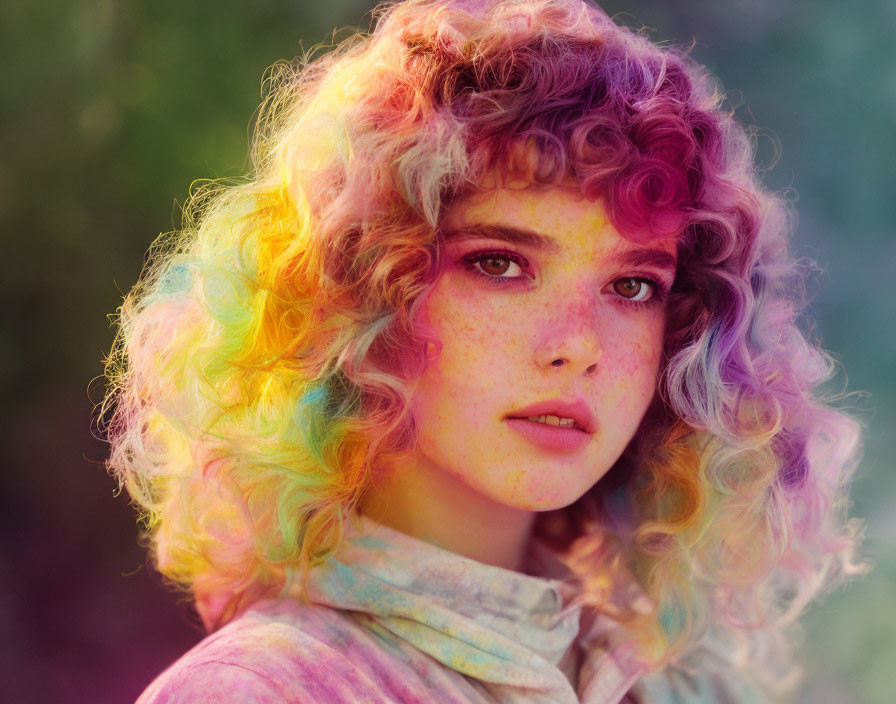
(548, 503)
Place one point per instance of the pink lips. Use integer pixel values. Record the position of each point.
(550, 437)
(554, 437)
(575, 408)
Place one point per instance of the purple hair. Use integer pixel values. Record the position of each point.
(277, 331)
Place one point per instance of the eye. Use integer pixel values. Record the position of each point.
(496, 267)
(635, 288)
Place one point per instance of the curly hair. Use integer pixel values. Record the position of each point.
(263, 364)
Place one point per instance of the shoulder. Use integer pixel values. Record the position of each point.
(210, 681)
(276, 651)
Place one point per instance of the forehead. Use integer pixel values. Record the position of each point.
(559, 217)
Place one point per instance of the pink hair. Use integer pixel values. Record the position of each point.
(260, 370)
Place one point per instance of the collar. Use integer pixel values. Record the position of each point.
(502, 627)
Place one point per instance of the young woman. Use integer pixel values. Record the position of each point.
(487, 386)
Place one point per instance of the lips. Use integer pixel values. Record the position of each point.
(577, 409)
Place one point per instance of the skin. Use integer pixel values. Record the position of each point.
(473, 484)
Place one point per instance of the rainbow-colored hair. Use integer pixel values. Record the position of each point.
(262, 366)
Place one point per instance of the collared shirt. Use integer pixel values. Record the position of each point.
(395, 619)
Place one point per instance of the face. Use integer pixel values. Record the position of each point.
(575, 316)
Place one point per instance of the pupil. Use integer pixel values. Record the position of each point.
(489, 261)
(631, 286)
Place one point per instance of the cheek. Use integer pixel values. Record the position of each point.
(475, 331)
(631, 365)
(467, 369)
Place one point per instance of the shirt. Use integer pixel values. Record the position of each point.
(395, 619)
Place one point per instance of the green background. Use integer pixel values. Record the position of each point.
(111, 109)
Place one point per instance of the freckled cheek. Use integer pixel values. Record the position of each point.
(475, 339)
(467, 324)
(631, 362)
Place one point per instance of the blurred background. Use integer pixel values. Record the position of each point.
(111, 109)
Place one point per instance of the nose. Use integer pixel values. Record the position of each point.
(569, 339)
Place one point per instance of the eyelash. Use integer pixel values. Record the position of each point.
(470, 260)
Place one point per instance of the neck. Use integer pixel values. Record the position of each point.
(426, 502)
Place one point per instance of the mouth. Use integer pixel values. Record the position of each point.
(556, 438)
(552, 421)
(561, 413)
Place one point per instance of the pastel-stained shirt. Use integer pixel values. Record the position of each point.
(393, 618)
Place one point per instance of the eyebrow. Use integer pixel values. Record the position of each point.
(506, 233)
(641, 256)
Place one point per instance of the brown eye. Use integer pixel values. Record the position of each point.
(494, 265)
(634, 289)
